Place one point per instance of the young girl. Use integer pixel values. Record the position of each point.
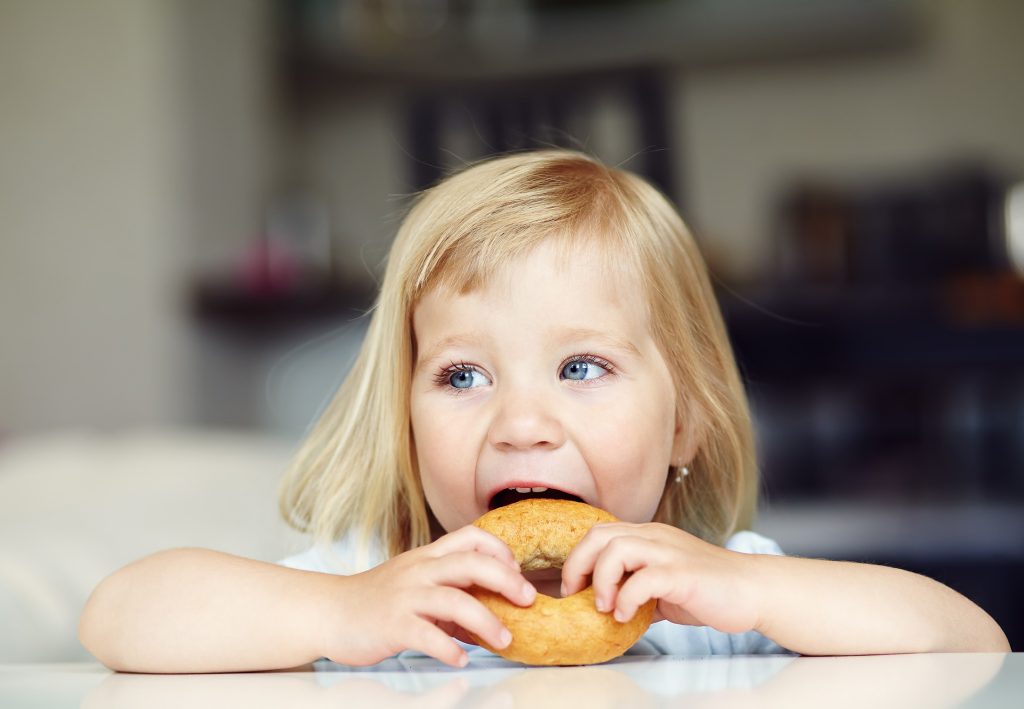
(545, 327)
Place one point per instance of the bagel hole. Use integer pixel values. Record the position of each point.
(547, 581)
(507, 497)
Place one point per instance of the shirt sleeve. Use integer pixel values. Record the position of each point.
(752, 642)
(343, 557)
(311, 559)
(753, 543)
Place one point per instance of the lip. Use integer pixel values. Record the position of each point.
(531, 483)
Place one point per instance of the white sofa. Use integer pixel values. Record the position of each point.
(75, 506)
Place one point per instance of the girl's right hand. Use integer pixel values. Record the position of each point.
(417, 600)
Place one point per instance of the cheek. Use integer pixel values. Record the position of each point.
(446, 458)
(430, 438)
(628, 448)
(632, 478)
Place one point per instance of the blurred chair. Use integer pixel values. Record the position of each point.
(76, 506)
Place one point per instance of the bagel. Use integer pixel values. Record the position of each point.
(554, 631)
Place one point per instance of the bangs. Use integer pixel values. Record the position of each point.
(478, 226)
(469, 266)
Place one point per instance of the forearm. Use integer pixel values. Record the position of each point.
(194, 610)
(817, 607)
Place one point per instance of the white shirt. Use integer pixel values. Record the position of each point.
(662, 638)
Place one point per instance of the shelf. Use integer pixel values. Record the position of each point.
(526, 41)
(230, 307)
(847, 332)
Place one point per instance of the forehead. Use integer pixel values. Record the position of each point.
(547, 291)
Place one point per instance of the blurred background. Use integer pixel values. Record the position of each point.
(196, 199)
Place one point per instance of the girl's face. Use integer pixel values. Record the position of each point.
(549, 378)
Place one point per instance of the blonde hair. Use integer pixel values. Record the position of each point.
(356, 472)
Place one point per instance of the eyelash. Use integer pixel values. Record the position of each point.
(442, 378)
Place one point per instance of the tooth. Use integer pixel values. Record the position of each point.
(539, 489)
(523, 489)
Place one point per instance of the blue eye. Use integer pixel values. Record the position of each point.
(580, 369)
(463, 378)
(458, 377)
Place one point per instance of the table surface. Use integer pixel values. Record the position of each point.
(982, 680)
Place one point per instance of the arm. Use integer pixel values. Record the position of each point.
(193, 610)
(818, 607)
(809, 606)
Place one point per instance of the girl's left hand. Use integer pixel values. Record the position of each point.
(695, 582)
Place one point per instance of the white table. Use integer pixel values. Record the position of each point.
(983, 680)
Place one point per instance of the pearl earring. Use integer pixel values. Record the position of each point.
(683, 471)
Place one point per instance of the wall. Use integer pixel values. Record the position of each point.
(135, 148)
(91, 210)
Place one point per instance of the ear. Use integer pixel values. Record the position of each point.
(689, 434)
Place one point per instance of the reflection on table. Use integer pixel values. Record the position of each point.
(780, 681)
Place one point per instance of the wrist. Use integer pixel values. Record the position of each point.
(324, 613)
(343, 600)
(759, 587)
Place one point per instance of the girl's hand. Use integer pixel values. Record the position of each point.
(695, 582)
(417, 600)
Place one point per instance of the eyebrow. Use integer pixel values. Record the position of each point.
(466, 338)
(585, 333)
(563, 337)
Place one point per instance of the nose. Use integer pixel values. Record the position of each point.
(525, 418)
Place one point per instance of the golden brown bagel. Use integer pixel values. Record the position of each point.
(555, 631)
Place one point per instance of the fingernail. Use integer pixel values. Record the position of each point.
(505, 639)
(564, 594)
(620, 615)
(529, 592)
(602, 605)
(463, 660)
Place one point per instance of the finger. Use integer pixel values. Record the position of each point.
(580, 562)
(427, 638)
(449, 604)
(621, 555)
(650, 582)
(472, 538)
(469, 568)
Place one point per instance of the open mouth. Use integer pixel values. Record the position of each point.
(510, 495)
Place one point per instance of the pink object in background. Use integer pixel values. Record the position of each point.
(268, 267)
